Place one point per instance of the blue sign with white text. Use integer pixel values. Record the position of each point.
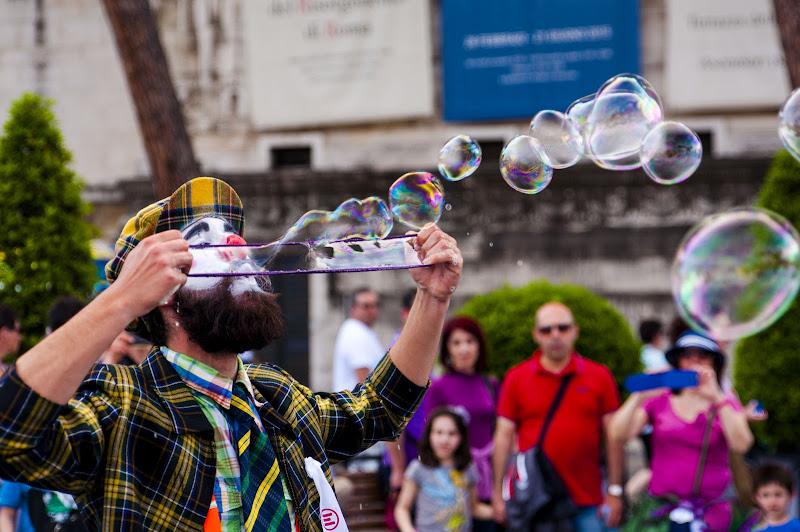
(509, 59)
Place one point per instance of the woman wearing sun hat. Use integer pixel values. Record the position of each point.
(693, 430)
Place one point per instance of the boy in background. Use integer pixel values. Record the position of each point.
(773, 488)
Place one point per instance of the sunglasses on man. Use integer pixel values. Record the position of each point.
(562, 328)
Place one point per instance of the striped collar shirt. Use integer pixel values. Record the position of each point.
(213, 392)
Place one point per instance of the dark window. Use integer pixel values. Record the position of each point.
(291, 351)
(491, 149)
(705, 140)
(292, 157)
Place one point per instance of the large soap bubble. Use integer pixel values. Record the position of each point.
(522, 168)
(737, 272)
(417, 198)
(671, 152)
(789, 129)
(574, 123)
(547, 133)
(459, 158)
(625, 109)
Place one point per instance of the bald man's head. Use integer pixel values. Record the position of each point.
(555, 330)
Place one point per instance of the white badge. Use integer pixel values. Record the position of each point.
(329, 510)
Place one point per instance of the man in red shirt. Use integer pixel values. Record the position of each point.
(573, 440)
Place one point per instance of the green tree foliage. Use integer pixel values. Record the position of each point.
(767, 365)
(44, 240)
(507, 316)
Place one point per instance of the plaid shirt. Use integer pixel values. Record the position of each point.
(136, 450)
(214, 392)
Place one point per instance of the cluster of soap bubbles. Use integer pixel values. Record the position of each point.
(417, 198)
(620, 127)
(737, 272)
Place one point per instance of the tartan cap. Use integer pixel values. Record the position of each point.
(198, 198)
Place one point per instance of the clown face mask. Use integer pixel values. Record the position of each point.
(210, 231)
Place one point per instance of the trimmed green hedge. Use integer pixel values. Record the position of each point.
(767, 365)
(44, 240)
(507, 315)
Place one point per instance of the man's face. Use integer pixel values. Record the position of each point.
(365, 308)
(215, 231)
(555, 331)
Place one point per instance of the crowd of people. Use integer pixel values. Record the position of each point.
(136, 411)
(689, 434)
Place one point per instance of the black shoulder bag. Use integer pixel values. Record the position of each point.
(536, 497)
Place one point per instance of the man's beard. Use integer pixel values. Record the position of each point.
(219, 322)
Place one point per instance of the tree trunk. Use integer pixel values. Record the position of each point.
(166, 140)
(787, 14)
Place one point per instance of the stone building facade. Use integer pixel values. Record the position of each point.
(614, 232)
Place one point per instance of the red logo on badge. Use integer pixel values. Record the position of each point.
(330, 519)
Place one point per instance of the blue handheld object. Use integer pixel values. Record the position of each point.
(674, 379)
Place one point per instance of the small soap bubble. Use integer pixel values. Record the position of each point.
(448, 207)
(625, 109)
(522, 168)
(671, 152)
(547, 129)
(18, 288)
(574, 122)
(417, 198)
(737, 272)
(520, 263)
(491, 244)
(459, 158)
(789, 129)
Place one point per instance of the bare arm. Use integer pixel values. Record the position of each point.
(415, 350)
(57, 365)
(504, 434)
(480, 510)
(614, 464)
(361, 374)
(8, 519)
(734, 424)
(735, 427)
(397, 460)
(628, 421)
(402, 510)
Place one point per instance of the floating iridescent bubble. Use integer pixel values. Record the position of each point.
(459, 158)
(546, 131)
(625, 109)
(522, 168)
(367, 219)
(737, 272)
(575, 120)
(789, 129)
(671, 152)
(416, 199)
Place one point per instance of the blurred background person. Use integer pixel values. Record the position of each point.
(27, 509)
(355, 354)
(10, 334)
(655, 341)
(693, 430)
(466, 389)
(441, 483)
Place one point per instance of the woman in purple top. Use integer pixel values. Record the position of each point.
(467, 390)
(679, 420)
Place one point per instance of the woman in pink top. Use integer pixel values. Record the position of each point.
(679, 420)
